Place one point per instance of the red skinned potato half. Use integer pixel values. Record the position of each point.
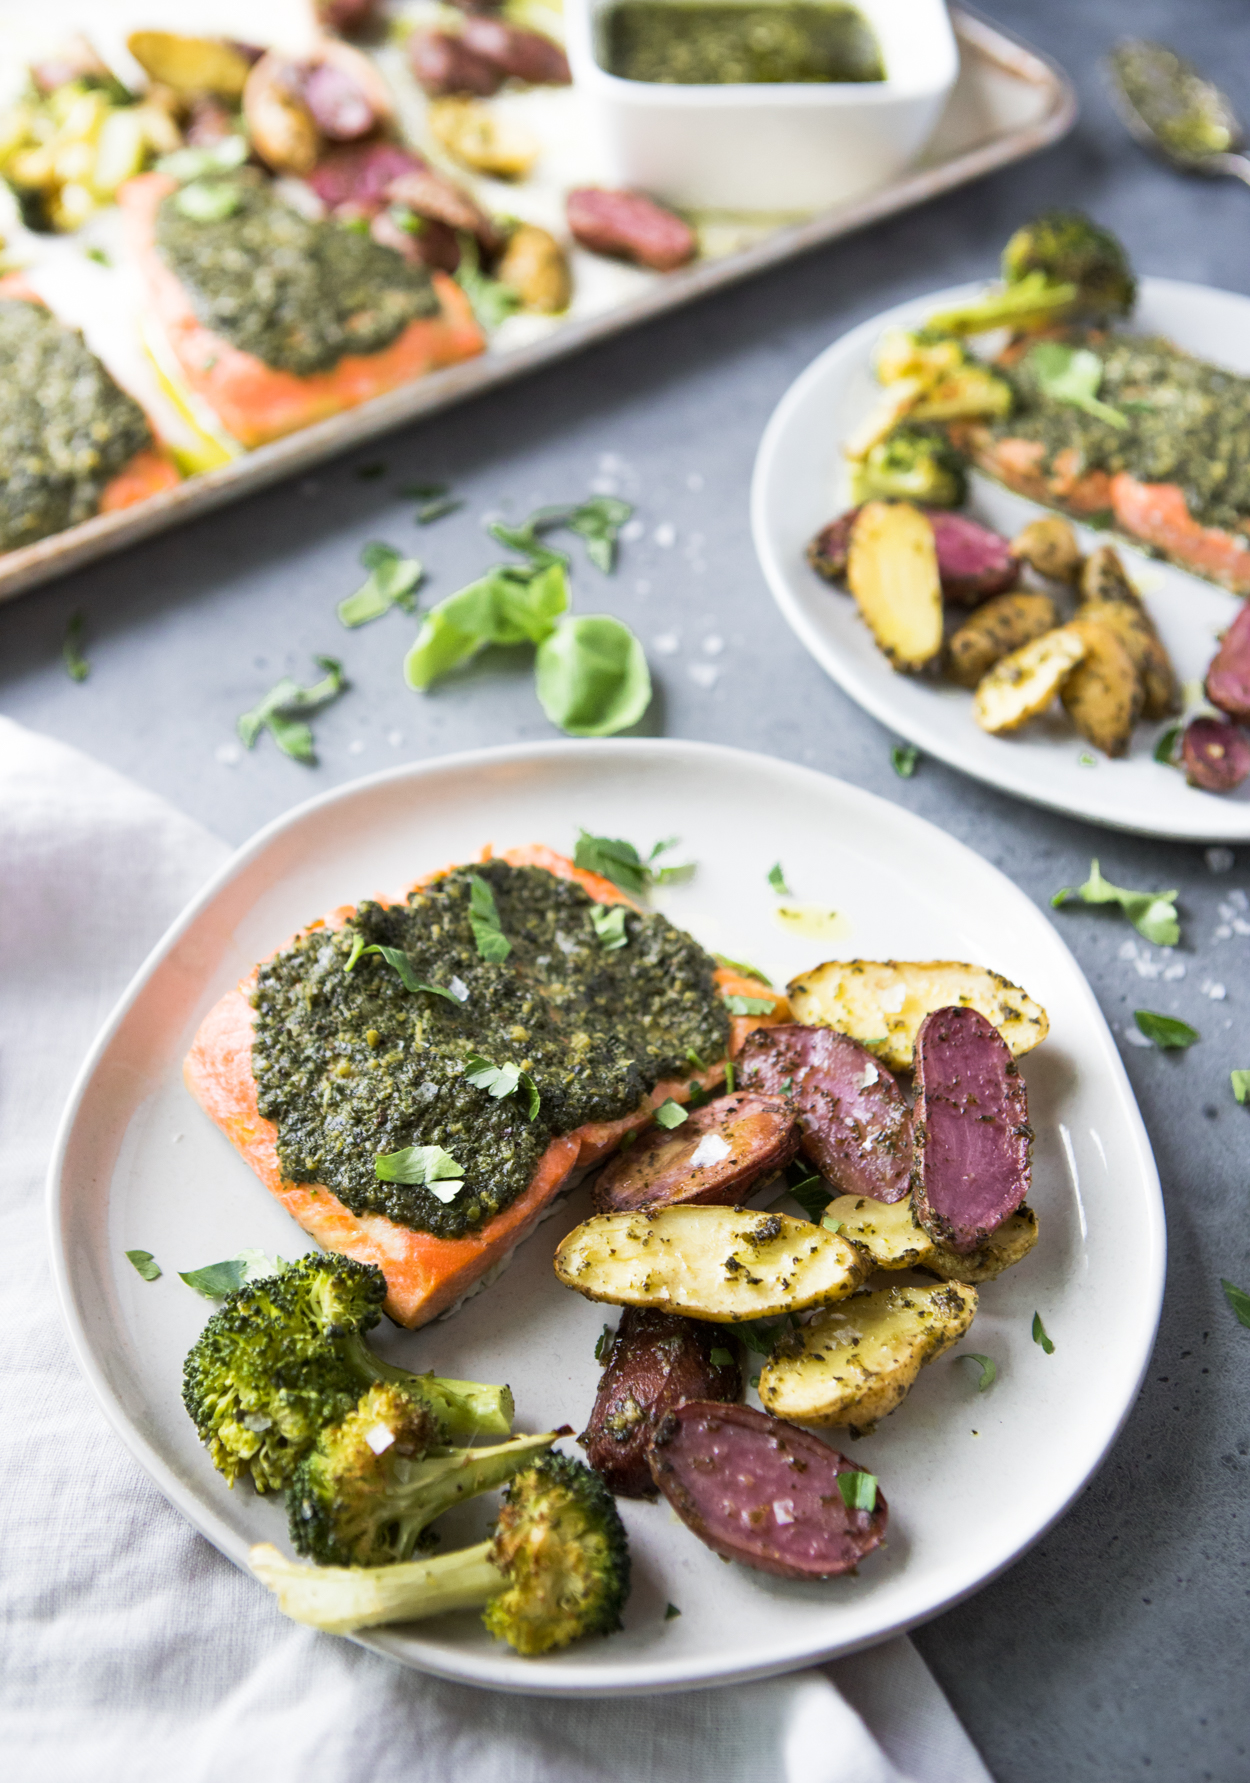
(855, 1124)
(357, 175)
(443, 64)
(629, 226)
(762, 1491)
(970, 1130)
(1214, 754)
(717, 1155)
(656, 1362)
(522, 55)
(973, 562)
(1228, 678)
(829, 552)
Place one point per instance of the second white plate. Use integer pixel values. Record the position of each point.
(800, 484)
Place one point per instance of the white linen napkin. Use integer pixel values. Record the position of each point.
(132, 1649)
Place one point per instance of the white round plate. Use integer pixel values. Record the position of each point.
(800, 484)
(972, 1478)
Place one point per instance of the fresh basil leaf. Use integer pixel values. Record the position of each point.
(1039, 1335)
(1152, 914)
(427, 1166)
(730, 1077)
(509, 605)
(670, 1114)
(720, 1358)
(604, 1343)
(1072, 375)
(1240, 1081)
(1165, 1030)
(208, 200)
(812, 1195)
(777, 879)
(1167, 749)
(591, 676)
(146, 1264)
(216, 1280)
(597, 522)
(492, 943)
(859, 1490)
(904, 757)
(392, 582)
(76, 665)
(988, 1367)
(430, 511)
(276, 713)
(671, 1610)
(1238, 1300)
(750, 1005)
(608, 922)
(399, 962)
(743, 968)
(491, 301)
(621, 862)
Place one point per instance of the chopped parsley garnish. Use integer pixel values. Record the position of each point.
(777, 879)
(988, 1367)
(146, 1264)
(750, 1005)
(597, 521)
(392, 582)
(1238, 1300)
(216, 1280)
(101, 259)
(859, 1490)
(278, 712)
(831, 1225)
(76, 665)
(1165, 1030)
(720, 1358)
(1240, 1081)
(903, 759)
(1039, 1335)
(399, 962)
(671, 1610)
(427, 1165)
(603, 1343)
(1152, 914)
(492, 943)
(621, 862)
(670, 1114)
(500, 1081)
(608, 922)
(744, 967)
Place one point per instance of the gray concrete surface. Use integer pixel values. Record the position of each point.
(1117, 1648)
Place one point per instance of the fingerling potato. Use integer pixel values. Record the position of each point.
(1024, 683)
(1050, 547)
(881, 1003)
(1103, 694)
(1104, 578)
(721, 1264)
(892, 571)
(892, 1238)
(1136, 631)
(1002, 625)
(855, 1363)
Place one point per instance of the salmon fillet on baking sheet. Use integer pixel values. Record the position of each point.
(426, 1274)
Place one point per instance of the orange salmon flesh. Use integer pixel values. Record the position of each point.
(425, 1275)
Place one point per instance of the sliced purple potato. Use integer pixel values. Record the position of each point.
(854, 1122)
(761, 1491)
(973, 562)
(970, 1130)
(715, 1156)
(657, 1361)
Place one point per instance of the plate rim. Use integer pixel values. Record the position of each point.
(475, 1671)
(933, 739)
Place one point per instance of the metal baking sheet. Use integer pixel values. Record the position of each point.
(1008, 103)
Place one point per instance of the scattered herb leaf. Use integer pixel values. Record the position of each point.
(1165, 1030)
(399, 962)
(755, 1382)
(812, 1195)
(624, 866)
(591, 676)
(1039, 1335)
(777, 879)
(216, 1280)
(1086, 760)
(730, 1078)
(1072, 375)
(424, 491)
(761, 1335)
(750, 1005)
(491, 301)
(277, 712)
(76, 665)
(903, 758)
(392, 582)
(609, 925)
(1152, 914)
(428, 1166)
(501, 1081)
(720, 1358)
(430, 511)
(1238, 1300)
(693, 1058)
(1167, 749)
(510, 604)
(988, 1367)
(743, 966)
(1240, 1081)
(492, 943)
(597, 521)
(218, 157)
(671, 1610)
(603, 1343)
(830, 1225)
(859, 1490)
(101, 259)
(146, 1264)
(670, 1114)
(369, 473)
(208, 200)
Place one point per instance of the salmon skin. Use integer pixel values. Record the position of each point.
(253, 401)
(426, 1275)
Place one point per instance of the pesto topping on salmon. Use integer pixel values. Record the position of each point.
(299, 294)
(351, 1066)
(66, 429)
(1183, 421)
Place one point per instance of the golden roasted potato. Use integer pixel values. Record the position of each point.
(1136, 631)
(891, 1237)
(1103, 694)
(881, 1003)
(479, 138)
(190, 65)
(723, 1264)
(1050, 547)
(1104, 578)
(283, 130)
(972, 391)
(892, 571)
(996, 629)
(854, 1363)
(535, 267)
(1024, 683)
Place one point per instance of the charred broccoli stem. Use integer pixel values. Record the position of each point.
(284, 1357)
(911, 464)
(367, 1491)
(1058, 269)
(557, 1569)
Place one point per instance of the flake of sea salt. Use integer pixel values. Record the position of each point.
(379, 1438)
(667, 644)
(1135, 1037)
(665, 535)
(703, 674)
(711, 1149)
(1219, 860)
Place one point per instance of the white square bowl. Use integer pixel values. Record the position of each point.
(783, 146)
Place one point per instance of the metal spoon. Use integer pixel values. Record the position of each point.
(1169, 107)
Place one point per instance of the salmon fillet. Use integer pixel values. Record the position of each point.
(425, 1274)
(253, 401)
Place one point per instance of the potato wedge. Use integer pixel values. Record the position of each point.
(891, 1237)
(190, 65)
(1136, 631)
(1023, 684)
(722, 1264)
(855, 1363)
(1104, 578)
(480, 139)
(1103, 694)
(1002, 625)
(881, 1003)
(892, 571)
(1050, 547)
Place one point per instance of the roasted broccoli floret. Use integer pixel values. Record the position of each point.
(1061, 268)
(942, 380)
(286, 1356)
(372, 1484)
(556, 1569)
(911, 464)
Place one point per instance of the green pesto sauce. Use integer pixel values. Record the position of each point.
(297, 293)
(709, 42)
(65, 427)
(351, 1065)
(1188, 115)
(1192, 427)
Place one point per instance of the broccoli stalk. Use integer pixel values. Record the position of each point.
(1061, 268)
(284, 1357)
(376, 1481)
(556, 1569)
